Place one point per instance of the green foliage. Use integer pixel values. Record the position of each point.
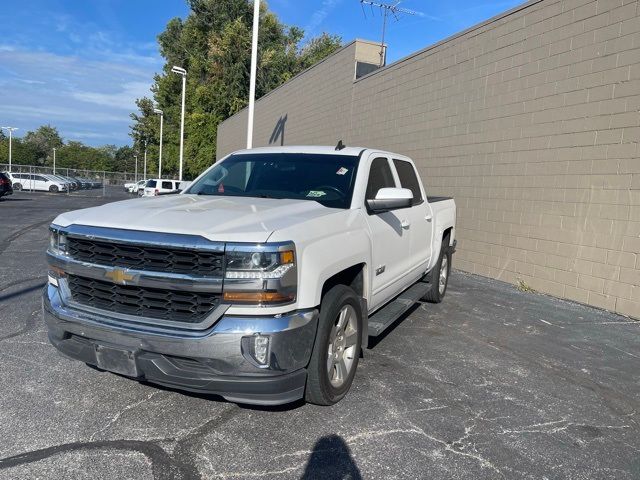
(214, 45)
(36, 148)
(43, 140)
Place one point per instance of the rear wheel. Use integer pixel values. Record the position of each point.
(336, 351)
(438, 277)
(17, 186)
(53, 189)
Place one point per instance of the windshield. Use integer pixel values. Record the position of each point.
(326, 179)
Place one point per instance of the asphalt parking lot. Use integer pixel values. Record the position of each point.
(492, 383)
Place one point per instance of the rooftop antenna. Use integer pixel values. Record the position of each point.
(388, 9)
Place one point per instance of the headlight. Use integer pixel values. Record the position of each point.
(57, 242)
(260, 274)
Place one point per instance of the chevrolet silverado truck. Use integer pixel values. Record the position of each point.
(261, 282)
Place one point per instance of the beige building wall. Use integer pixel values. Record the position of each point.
(530, 120)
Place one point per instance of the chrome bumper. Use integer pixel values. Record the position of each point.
(209, 361)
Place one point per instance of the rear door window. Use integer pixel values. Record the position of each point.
(409, 179)
(380, 176)
(167, 185)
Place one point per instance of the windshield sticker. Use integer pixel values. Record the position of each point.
(342, 171)
(316, 193)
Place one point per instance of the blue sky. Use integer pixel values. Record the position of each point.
(80, 64)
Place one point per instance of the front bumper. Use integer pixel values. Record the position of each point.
(211, 361)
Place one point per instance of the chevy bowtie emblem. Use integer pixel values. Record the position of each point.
(119, 276)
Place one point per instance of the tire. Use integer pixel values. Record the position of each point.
(329, 380)
(53, 189)
(17, 187)
(438, 277)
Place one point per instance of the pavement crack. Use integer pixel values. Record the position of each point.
(14, 236)
(558, 426)
(163, 467)
(451, 447)
(117, 416)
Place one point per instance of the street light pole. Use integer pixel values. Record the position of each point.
(136, 157)
(161, 113)
(183, 72)
(11, 130)
(54, 160)
(254, 67)
(145, 159)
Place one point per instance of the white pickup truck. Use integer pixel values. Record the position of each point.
(261, 282)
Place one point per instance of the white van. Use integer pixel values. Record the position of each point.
(157, 186)
(35, 181)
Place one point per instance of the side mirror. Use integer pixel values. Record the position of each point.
(388, 199)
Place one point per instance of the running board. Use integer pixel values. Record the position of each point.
(383, 318)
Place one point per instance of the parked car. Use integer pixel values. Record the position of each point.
(261, 282)
(59, 178)
(78, 182)
(5, 185)
(128, 186)
(136, 187)
(38, 182)
(86, 184)
(155, 187)
(75, 183)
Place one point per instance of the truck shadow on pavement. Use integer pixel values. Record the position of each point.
(331, 458)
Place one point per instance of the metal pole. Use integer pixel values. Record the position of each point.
(160, 155)
(136, 157)
(184, 89)
(254, 67)
(10, 139)
(145, 159)
(54, 160)
(384, 28)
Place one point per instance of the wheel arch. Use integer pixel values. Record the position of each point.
(354, 277)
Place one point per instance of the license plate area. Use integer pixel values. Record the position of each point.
(117, 360)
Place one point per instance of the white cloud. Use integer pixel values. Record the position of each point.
(123, 99)
(320, 15)
(86, 99)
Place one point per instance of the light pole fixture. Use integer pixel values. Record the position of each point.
(254, 67)
(11, 130)
(54, 160)
(161, 113)
(183, 72)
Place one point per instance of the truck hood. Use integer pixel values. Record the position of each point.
(230, 219)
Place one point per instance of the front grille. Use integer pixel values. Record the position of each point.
(147, 258)
(177, 306)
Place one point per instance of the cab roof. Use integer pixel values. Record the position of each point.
(324, 150)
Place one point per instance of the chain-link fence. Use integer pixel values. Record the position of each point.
(86, 182)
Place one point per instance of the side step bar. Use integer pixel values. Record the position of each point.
(383, 318)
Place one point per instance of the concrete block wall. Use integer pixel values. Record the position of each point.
(531, 120)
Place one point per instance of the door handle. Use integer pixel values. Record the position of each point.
(405, 224)
(428, 217)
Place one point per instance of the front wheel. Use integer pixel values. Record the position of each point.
(17, 187)
(336, 351)
(53, 189)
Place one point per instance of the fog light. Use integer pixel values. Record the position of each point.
(261, 349)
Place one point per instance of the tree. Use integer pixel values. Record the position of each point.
(43, 140)
(214, 44)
